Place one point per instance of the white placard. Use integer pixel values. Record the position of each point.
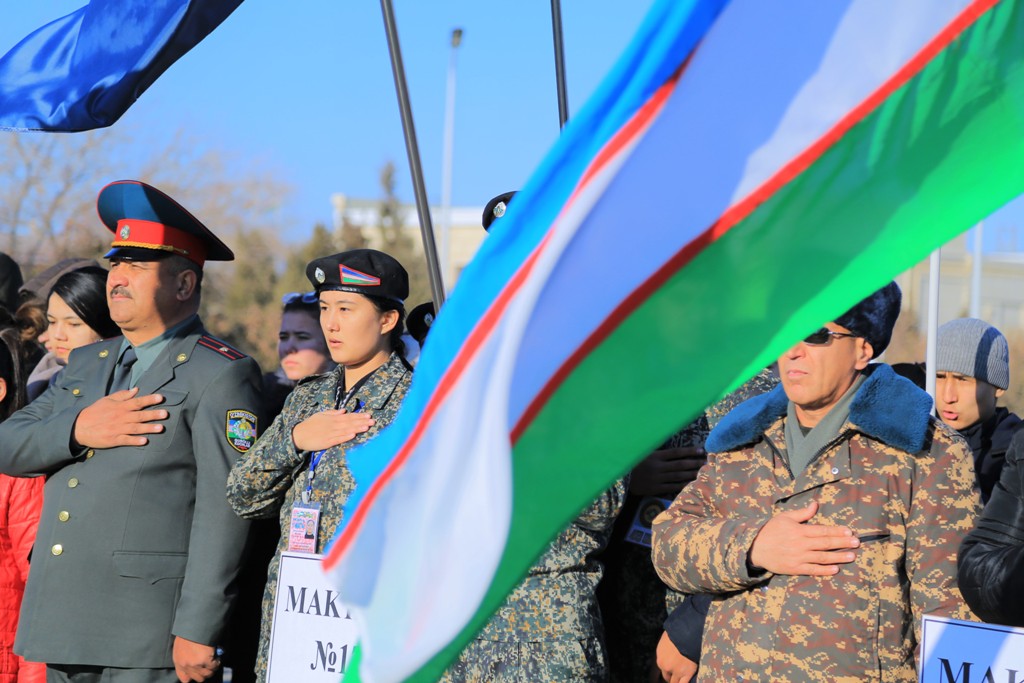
(954, 651)
(312, 635)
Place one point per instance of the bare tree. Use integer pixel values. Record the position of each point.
(48, 188)
(48, 184)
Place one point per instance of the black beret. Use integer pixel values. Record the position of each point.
(419, 321)
(496, 208)
(363, 271)
(874, 317)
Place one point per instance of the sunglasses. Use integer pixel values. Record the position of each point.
(304, 297)
(824, 336)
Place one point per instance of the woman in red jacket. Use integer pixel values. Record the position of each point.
(20, 503)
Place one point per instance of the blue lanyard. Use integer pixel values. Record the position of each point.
(314, 460)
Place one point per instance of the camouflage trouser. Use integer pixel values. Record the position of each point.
(490, 661)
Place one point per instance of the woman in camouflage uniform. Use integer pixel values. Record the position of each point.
(362, 295)
(549, 628)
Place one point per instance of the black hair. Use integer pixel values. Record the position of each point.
(12, 371)
(395, 337)
(179, 264)
(84, 291)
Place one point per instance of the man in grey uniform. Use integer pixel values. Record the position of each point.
(132, 576)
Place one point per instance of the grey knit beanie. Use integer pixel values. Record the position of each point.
(973, 348)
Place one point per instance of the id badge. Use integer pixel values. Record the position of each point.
(304, 528)
(640, 530)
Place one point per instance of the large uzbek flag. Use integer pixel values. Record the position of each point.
(747, 171)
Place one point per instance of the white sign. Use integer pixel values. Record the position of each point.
(312, 635)
(954, 651)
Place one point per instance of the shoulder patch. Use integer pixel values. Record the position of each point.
(240, 429)
(220, 347)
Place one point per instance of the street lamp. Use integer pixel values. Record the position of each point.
(446, 169)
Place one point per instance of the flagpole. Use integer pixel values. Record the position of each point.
(932, 335)
(556, 31)
(412, 149)
(975, 309)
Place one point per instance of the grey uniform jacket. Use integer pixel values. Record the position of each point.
(136, 545)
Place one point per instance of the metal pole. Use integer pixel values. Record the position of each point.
(556, 30)
(933, 323)
(412, 149)
(446, 166)
(975, 310)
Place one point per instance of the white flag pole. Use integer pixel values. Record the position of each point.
(933, 322)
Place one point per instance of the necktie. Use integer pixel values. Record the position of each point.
(122, 378)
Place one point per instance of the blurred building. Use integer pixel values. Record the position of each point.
(465, 234)
(1002, 293)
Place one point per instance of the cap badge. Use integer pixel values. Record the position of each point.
(319, 275)
(351, 276)
(125, 231)
(499, 210)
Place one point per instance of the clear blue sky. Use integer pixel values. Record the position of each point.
(304, 88)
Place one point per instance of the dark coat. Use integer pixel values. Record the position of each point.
(991, 561)
(136, 544)
(988, 441)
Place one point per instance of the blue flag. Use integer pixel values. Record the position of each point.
(84, 70)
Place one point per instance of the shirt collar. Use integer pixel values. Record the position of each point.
(148, 352)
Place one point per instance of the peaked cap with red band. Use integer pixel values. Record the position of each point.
(148, 224)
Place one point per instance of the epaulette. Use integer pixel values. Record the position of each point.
(220, 347)
(313, 378)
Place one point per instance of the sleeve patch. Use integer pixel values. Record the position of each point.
(240, 430)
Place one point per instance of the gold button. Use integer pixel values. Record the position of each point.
(76, 392)
(182, 358)
(72, 483)
(104, 353)
(57, 549)
(63, 515)
(89, 453)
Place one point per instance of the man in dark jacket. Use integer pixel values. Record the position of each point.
(972, 372)
(991, 561)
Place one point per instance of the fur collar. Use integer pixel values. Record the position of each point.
(888, 408)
